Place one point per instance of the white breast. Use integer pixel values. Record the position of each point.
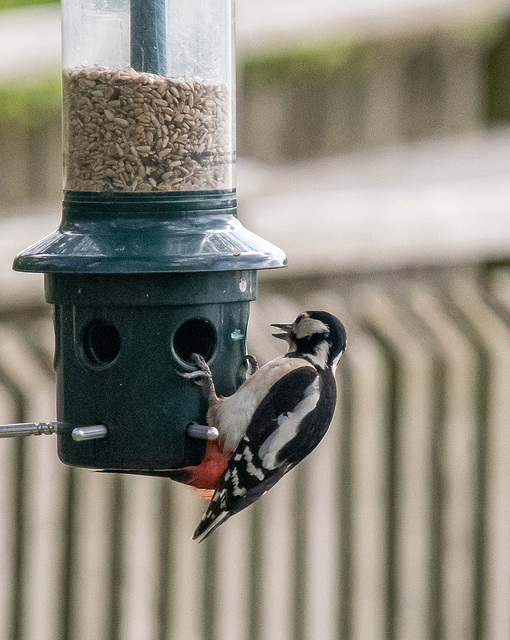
(235, 412)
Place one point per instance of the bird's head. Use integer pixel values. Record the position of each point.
(318, 335)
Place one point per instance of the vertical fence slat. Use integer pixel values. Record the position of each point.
(7, 529)
(188, 585)
(369, 488)
(409, 467)
(139, 604)
(90, 607)
(323, 535)
(277, 546)
(457, 552)
(164, 596)
(459, 308)
(494, 334)
(39, 545)
(44, 539)
(233, 598)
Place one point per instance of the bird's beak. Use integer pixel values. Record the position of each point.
(286, 328)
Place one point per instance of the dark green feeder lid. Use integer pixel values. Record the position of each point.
(149, 233)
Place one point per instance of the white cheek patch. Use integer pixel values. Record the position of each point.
(308, 326)
(288, 425)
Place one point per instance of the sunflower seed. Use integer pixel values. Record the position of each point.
(140, 129)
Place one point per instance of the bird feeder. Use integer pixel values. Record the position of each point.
(150, 263)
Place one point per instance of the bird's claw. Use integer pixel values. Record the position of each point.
(203, 376)
(199, 362)
(252, 364)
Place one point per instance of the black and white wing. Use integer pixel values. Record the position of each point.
(285, 427)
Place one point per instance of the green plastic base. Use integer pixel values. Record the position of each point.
(121, 342)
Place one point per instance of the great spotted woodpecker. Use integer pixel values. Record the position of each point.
(274, 420)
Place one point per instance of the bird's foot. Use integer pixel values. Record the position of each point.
(252, 364)
(203, 376)
(200, 363)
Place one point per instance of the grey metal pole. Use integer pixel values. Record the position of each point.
(80, 434)
(28, 429)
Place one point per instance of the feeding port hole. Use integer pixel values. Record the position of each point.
(194, 336)
(101, 342)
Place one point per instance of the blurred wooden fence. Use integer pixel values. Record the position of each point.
(386, 92)
(396, 528)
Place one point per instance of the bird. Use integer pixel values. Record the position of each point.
(274, 419)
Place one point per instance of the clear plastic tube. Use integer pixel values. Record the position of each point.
(149, 95)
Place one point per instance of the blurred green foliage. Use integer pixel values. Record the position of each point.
(34, 99)
(300, 62)
(16, 4)
(497, 76)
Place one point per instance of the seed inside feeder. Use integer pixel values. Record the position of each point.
(134, 131)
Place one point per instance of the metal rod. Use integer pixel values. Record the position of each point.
(94, 432)
(148, 36)
(202, 432)
(28, 429)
